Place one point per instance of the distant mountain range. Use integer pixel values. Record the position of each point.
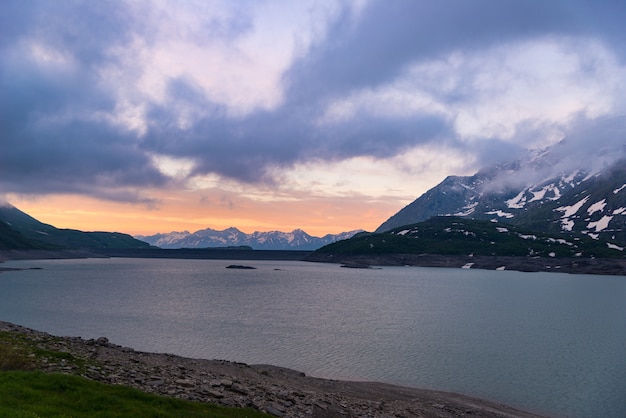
(232, 237)
(549, 191)
(19, 230)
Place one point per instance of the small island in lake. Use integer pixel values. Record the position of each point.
(240, 267)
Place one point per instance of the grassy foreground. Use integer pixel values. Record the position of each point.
(37, 394)
(26, 392)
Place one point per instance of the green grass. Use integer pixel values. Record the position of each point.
(27, 392)
(38, 394)
(14, 358)
(19, 352)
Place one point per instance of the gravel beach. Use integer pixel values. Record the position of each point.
(275, 390)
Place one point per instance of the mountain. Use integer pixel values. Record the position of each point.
(554, 191)
(273, 240)
(31, 233)
(453, 242)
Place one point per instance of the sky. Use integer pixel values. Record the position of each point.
(146, 116)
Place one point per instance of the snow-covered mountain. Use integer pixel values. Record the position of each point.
(560, 189)
(273, 240)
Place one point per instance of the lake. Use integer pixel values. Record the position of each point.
(546, 342)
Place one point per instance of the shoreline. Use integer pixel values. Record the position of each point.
(275, 390)
(600, 266)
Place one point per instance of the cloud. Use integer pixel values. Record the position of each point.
(593, 146)
(390, 37)
(115, 98)
(56, 133)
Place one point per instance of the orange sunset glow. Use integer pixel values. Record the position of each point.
(313, 216)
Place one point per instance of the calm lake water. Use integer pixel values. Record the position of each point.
(547, 342)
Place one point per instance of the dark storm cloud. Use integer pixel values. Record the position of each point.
(78, 156)
(55, 138)
(246, 148)
(84, 28)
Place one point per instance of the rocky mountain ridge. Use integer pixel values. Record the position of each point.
(233, 237)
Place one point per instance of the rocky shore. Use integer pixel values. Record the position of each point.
(277, 391)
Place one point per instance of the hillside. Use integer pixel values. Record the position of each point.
(22, 231)
(453, 235)
(449, 241)
(10, 239)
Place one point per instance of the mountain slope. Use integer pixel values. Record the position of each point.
(41, 235)
(595, 207)
(13, 240)
(273, 240)
(541, 193)
(450, 235)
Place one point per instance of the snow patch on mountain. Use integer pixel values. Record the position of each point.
(596, 207)
(467, 210)
(525, 236)
(567, 224)
(550, 192)
(569, 211)
(619, 189)
(538, 195)
(500, 213)
(600, 225)
(518, 202)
